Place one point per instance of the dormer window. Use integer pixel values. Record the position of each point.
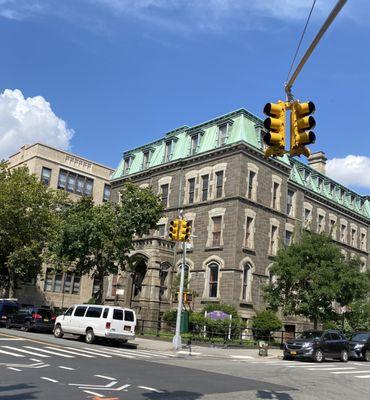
(146, 159)
(168, 150)
(319, 183)
(222, 135)
(194, 144)
(127, 164)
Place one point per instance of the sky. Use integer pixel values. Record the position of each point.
(99, 77)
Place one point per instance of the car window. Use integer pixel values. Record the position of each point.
(69, 311)
(43, 312)
(360, 337)
(310, 335)
(105, 313)
(335, 336)
(327, 336)
(80, 311)
(9, 309)
(94, 312)
(118, 314)
(129, 316)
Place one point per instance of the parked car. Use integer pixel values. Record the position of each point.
(7, 308)
(97, 321)
(359, 346)
(318, 345)
(32, 318)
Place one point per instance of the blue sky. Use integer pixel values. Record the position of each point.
(104, 76)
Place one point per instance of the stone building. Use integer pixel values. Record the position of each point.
(78, 176)
(242, 208)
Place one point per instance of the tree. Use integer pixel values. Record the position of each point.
(28, 215)
(358, 315)
(265, 322)
(313, 278)
(97, 239)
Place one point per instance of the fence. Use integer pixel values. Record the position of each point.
(233, 337)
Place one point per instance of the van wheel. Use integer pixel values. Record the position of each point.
(344, 356)
(90, 337)
(318, 356)
(58, 332)
(367, 355)
(122, 341)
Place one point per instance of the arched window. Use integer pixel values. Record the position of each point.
(213, 270)
(246, 282)
(163, 275)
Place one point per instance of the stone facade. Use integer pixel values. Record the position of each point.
(78, 176)
(242, 206)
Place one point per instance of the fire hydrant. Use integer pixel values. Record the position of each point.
(262, 348)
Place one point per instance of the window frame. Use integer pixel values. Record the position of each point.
(213, 285)
(46, 179)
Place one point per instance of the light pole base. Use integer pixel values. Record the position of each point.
(176, 342)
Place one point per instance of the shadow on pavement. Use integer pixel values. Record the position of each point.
(25, 395)
(272, 394)
(177, 394)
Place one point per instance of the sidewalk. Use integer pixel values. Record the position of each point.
(234, 353)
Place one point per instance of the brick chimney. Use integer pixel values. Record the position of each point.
(318, 162)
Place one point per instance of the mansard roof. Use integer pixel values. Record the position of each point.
(244, 127)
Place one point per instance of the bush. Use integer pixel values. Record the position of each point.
(169, 317)
(265, 322)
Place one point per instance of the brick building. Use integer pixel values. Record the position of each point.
(242, 207)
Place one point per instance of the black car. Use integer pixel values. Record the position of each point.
(318, 345)
(8, 307)
(359, 346)
(32, 318)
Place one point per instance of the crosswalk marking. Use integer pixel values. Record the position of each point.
(362, 376)
(130, 353)
(25, 351)
(12, 354)
(49, 352)
(330, 369)
(70, 352)
(350, 372)
(90, 352)
(105, 352)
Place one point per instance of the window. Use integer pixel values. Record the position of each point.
(94, 312)
(45, 176)
(164, 194)
(58, 283)
(333, 226)
(168, 151)
(127, 165)
(96, 286)
(343, 233)
(80, 311)
(288, 238)
(222, 135)
(48, 285)
(61, 282)
(194, 144)
(118, 314)
(249, 225)
(75, 183)
(76, 285)
(205, 182)
(213, 280)
(67, 283)
(191, 185)
(129, 316)
(363, 240)
(354, 237)
(105, 313)
(219, 183)
(290, 203)
(146, 159)
(319, 183)
(275, 191)
(273, 239)
(161, 230)
(246, 279)
(216, 231)
(307, 218)
(320, 223)
(69, 312)
(251, 185)
(106, 193)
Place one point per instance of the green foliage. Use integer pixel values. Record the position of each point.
(97, 239)
(312, 275)
(29, 214)
(169, 317)
(266, 321)
(358, 315)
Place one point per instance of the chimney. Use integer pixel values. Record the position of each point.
(318, 162)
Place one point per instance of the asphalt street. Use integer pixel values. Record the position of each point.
(38, 366)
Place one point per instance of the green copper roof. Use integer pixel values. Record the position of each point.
(242, 126)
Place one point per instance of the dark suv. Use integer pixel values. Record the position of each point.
(318, 345)
(359, 346)
(32, 318)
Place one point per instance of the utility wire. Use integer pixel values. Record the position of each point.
(300, 41)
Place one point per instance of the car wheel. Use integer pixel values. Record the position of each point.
(27, 327)
(8, 323)
(90, 337)
(318, 356)
(286, 357)
(344, 356)
(367, 355)
(58, 332)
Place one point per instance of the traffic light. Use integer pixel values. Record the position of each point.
(275, 124)
(184, 234)
(174, 229)
(188, 297)
(300, 124)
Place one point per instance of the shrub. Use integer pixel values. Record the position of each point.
(265, 322)
(169, 317)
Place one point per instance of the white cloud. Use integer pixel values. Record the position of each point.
(350, 170)
(29, 120)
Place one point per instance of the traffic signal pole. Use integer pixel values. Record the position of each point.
(176, 341)
(320, 34)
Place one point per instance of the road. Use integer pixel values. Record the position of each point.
(38, 366)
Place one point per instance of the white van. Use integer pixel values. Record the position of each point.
(93, 321)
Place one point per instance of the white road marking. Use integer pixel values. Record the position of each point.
(149, 388)
(49, 379)
(362, 376)
(129, 353)
(241, 357)
(12, 339)
(35, 359)
(330, 369)
(93, 393)
(350, 372)
(82, 385)
(68, 368)
(11, 354)
(49, 352)
(70, 352)
(14, 369)
(161, 353)
(187, 352)
(116, 354)
(25, 351)
(106, 377)
(90, 352)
